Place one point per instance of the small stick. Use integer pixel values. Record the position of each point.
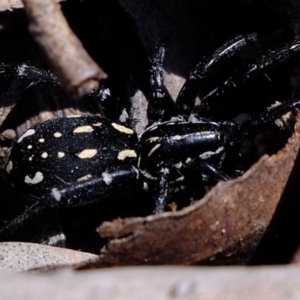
(14, 4)
(10, 4)
(70, 62)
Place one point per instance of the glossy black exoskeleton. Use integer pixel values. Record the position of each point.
(178, 155)
(72, 161)
(188, 153)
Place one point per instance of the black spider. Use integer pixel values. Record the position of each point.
(74, 161)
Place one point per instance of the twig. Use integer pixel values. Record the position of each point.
(76, 70)
(9, 5)
(13, 4)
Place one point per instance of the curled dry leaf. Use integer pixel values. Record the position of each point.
(228, 222)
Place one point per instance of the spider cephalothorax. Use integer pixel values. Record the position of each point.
(75, 161)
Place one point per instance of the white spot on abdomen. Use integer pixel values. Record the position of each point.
(126, 153)
(44, 155)
(122, 128)
(26, 134)
(61, 154)
(87, 153)
(41, 140)
(83, 129)
(38, 177)
(57, 134)
(98, 124)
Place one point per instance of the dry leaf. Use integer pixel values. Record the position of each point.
(26, 256)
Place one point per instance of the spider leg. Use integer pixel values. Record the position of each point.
(18, 221)
(191, 180)
(33, 74)
(265, 118)
(210, 169)
(204, 71)
(200, 169)
(199, 174)
(161, 198)
(49, 232)
(159, 100)
(109, 181)
(165, 184)
(259, 68)
(249, 128)
(102, 94)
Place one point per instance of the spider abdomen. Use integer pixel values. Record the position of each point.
(69, 161)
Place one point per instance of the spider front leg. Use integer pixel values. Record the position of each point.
(207, 72)
(259, 70)
(204, 73)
